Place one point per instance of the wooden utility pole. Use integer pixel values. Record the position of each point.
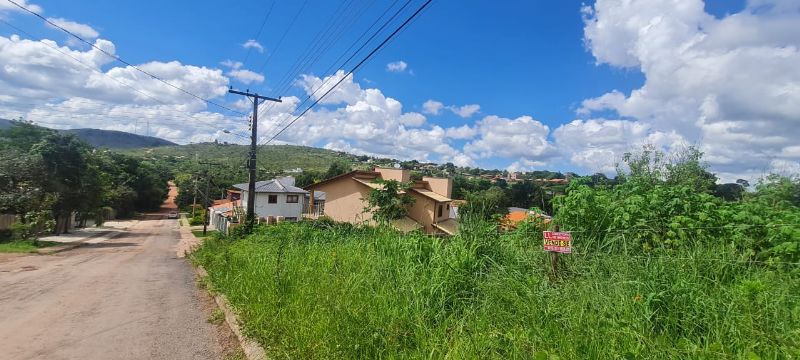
(194, 199)
(251, 164)
(207, 205)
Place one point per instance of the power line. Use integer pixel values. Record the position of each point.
(115, 57)
(280, 122)
(316, 49)
(92, 68)
(322, 42)
(356, 67)
(376, 33)
(275, 50)
(260, 29)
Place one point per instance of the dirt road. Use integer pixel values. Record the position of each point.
(129, 297)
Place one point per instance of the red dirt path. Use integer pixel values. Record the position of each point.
(169, 203)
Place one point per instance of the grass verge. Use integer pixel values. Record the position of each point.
(199, 233)
(24, 246)
(310, 290)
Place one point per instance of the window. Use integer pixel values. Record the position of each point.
(441, 208)
(291, 219)
(272, 199)
(292, 199)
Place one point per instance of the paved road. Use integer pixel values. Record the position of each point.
(129, 297)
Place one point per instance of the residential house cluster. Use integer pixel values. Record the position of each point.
(342, 198)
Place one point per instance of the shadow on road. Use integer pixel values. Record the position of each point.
(110, 245)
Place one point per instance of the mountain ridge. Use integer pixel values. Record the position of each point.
(111, 139)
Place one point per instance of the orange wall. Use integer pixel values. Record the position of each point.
(422, 211)
(441, 186)
(394, 174)
(343, 200)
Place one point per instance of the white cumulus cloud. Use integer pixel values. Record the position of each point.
(396, 66)
(82, 30)
(522, 137)
(432, 107)
(7, 6)
(252, 44)
(243, 75)
(729, 84)
(465, 111)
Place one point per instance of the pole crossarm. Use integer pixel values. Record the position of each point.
(255, 96)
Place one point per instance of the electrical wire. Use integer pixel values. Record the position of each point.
(356, 67)
(342, 20)
(260, 29)
(275, 50)
(92, 68)
(117, 58)
(279, 123)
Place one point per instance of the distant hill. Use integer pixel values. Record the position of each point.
(5, 124)
(111, 139)
(271, 157)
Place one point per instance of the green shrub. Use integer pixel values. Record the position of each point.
(199, 218)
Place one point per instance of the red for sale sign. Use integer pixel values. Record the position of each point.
(560, 242)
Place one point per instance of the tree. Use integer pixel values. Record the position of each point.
(390, 201)
(778, 191)
(22, 136)
(337, 168)
(484, 204)
(522, 194)
(64, 159)
(649, 167)
(307, 178)
(21, 182)
(729, 191)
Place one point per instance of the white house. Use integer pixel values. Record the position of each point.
(276, 197)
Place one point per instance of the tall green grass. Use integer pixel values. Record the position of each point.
(316, 290)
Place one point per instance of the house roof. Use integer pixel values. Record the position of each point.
(366, 178)
(272, 186)
(369, 183)
(318, 195)
(224, 207)
(405, 224)
(352, 174)
(449, 226)
(432, 195)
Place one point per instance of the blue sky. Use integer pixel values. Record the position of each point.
(530, 66)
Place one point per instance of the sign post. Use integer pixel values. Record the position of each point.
(557, 243)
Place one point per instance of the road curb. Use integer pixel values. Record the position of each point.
(252, 350)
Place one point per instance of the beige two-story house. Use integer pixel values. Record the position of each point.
(345, 199)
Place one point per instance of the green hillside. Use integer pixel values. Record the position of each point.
(271, 158)
(113, 139)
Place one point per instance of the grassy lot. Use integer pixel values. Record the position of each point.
(24, 246)
(316, 290)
